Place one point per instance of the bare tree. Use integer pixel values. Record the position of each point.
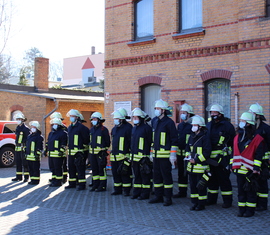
(56, 70)
(5, 22)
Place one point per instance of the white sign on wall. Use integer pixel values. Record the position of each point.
(123, 104)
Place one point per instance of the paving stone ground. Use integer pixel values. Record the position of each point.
(40, 209)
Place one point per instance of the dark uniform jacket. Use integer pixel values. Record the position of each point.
(184, 131)
(141, 140)
(99, 139)
(199, 147)
(78, 138)
(121, 138)
(165, 134)
(57, 140)
(34, 146)
(22, 132)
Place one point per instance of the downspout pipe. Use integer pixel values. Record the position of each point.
(236, 96)
(47, 115)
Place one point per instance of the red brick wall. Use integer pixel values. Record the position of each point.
(237, 39)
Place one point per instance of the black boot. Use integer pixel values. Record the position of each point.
(156, 200)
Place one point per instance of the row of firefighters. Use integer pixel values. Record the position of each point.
(144, 153)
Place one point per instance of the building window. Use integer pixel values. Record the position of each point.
(217, 91)
(149, 94)
(190, 15)
(144, 20)
(267, 8)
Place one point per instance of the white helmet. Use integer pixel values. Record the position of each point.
(138, 112)
(216, 107)
(256, 108)
(35, 124)
(161, 104)
(81, 116)
(96, 115)
(56, 120)
(248, 117)
(73, 112)
(19, 116)
(56, 115)
(123, 112)
(198, 120)
(187, 108)
(117, 114)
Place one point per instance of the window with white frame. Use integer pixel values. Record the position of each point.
(144, 24)
(190, 15)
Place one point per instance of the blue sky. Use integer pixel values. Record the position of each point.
(58, 28)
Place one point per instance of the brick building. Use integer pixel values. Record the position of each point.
(193, 51)
(38, 102)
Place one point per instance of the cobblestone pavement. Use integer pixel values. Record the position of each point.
(40, 209)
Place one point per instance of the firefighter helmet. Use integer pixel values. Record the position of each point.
(56, 115)
(256, 108)
(187, 108)
(35, 124)
(97, 115)
(73, 112)
(215, 107)
(198, 120)
(56, 121)
(117, 114)
(161, 104)
(138, 112)
(19, 116)
(248, 117)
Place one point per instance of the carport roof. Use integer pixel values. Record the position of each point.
(60, 97)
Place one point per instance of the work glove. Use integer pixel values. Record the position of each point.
(251, 183)
(60, 154)
(202, 184)
(173, 156)
(102, 154)
(146, 166)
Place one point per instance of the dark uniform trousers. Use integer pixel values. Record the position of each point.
(98, 172)
(21, 165)
(56, 167)
(162, 177)
(34, 171)
(121, 181)
(142, 182)
(198, 197)
(182, 175)
(262, 194)
(246, 199)
(76, 171)
(220, 178)
(65, 169)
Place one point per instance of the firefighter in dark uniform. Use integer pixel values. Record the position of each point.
(221, 134)
(33, 151)
(184, 131)
(164, 153)
(120, 154)
(98, 146)
(141, 140)
(64, 127)
(78, 140)
(198, 150)
(22, 131)
(263, 130)
(56, 147)
(248, 151)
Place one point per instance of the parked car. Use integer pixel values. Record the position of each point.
(7, 143)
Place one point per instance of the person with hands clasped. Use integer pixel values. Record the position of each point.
(33, 151)
(248, 151)
(198, 150)
(164, 153)
(56, 151)
(140, 151)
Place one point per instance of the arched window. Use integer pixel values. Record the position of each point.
(144, 26)
(218, 91)
(149, 94)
